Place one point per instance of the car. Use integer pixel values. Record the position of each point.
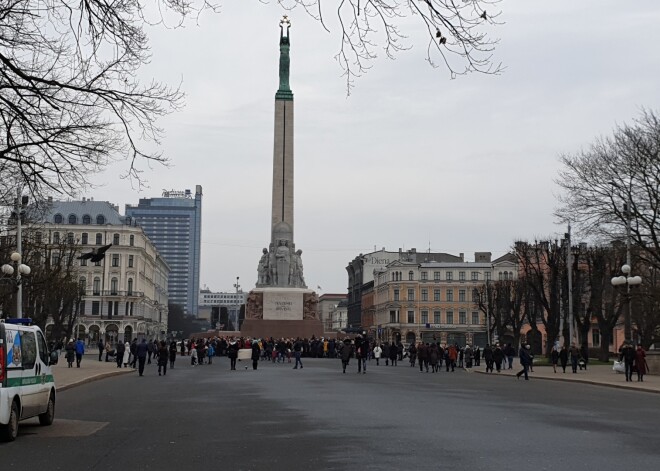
(27, 386)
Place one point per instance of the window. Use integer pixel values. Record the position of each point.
(511, 275)
(81, 308)
(424, 276)
(131, 240)
(57, 219)
(449, 276)
(436, 295)
(450, 295)
(425, 295)
(475, 295)
(130, 261)
(96, 308)
(115, 239)
(82, 283)
(130, 286)
(96, 288)
(411, 294)
(97, 264)
(436, 276)
(70, 239)
(113, 285)
(100, 219)
(28, 349)
(55, 261)
(84, 238)
(393, 317)
(115, 259)
(595, 337)
(499, 276)
(462, 317)
(450, 317)
(37, 237)
(461, 276)
(87, 219)
(411, 317)
(73, 219)
(56, 237)
(83, 262)
(425, 317)
(411, 276)
(436, 317)
(461, 295)
(43, 349)
(487, 276)
(396, 294)
(474, 276)
(475, 318)
(99, 238)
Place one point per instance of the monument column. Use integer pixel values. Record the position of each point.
(282, 210)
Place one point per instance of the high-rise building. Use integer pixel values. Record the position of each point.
(174, 223)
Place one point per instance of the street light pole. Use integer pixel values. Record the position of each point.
(19, 247)
(569, 268)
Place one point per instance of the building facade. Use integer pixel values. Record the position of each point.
(327, 304)
(124, 296)
(434, 301)
(174, 223)
(361, 271)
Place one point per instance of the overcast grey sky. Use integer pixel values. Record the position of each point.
(412, 157)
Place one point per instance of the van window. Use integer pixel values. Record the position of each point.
(28, 350)
(43, 349)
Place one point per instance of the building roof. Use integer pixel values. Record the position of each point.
(80, 209)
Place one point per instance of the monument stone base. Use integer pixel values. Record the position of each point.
(282, 312)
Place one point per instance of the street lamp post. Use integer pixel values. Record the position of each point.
(627, 278)
(21, 269)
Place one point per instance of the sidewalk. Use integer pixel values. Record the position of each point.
(600, 375)
(91, 369)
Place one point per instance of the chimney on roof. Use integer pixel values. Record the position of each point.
(461, 256)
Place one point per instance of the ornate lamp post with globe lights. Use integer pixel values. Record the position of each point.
(21, 269)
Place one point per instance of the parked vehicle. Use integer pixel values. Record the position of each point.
(27, 386)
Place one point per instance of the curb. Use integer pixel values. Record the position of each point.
(588, 381)
(91, 379)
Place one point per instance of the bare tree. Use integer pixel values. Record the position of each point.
(617, 179)
(456, 31)
(645, 308)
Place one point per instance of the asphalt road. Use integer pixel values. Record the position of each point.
(317, 418)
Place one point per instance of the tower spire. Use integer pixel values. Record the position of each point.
(284, 91)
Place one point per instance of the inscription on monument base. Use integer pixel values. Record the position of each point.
(283, 305)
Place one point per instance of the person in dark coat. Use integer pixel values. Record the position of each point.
(584, 354)
(121, 348)
(498, 358)
(70, 355)
(627, 355)
(394, 354)
(412, 352)
(433, 356)
(554, 358)
(563, 358)
(345, 353)
(488, 358)
(525, 361)
(574, 353)
(423, 357)
(162, 357)
(256, 354)
(232, 353)
(101, 348)
(477, 356)
(386, 353)
(172, 353)
(152, 347)
(141, 351)
(133, 361)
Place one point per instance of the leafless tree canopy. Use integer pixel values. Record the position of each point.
(456, 30)
(599, 181)
(69, 98)
(70, 101)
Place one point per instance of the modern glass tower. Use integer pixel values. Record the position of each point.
(174, 224)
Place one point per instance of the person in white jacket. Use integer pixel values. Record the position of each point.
(377, 353)
(127, 354)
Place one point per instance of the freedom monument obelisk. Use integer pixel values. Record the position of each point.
(281, 305)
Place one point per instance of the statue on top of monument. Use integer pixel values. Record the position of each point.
(284, 91)
(296, 277)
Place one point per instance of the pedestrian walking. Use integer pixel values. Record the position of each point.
(101, 347)
(509, 352)
(525, 358)
(412, 353)
(119, 354)
(469, 357)
(172, 353)
(70, 353)
(256, 354)
(232, 353)
(554, 358)
(498, 357)
(488, 358)
(423, 357)
(163, 356)
(452, 356)
(627, 355)
(640, 363)
(151, 349)
(574, 354)
(477, 356)
(297, 352)
(127, 354)
(563, 358)
(210, 352)
(345, 354)
(394, 354)
(378, 351)
(141, 351)
(584, 356)
(80, 351)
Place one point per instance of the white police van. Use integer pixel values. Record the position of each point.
(27, 387)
